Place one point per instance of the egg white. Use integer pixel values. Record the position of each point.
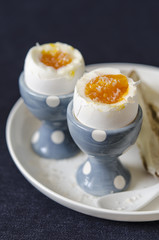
(48, 80)
(101, 115)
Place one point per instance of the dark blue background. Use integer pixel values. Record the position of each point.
(104, 31)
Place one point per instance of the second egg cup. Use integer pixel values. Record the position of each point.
(52, 140)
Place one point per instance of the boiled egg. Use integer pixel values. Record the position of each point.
(105, 99)
(53, 68)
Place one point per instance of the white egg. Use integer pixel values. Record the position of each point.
(48, 80)
(104, 116)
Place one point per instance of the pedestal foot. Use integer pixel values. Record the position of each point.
(101, 176)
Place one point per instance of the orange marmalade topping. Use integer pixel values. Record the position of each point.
(107, 88)
(55, 59)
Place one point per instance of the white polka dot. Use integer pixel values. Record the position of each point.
(53, 101)
(57, 137)
(99, 135)
(119, 182)
(44, 150)
(35, 137)
(87, 168)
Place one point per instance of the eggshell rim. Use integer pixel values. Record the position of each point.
(108, 131)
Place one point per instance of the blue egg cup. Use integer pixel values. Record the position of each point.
(53, 139)
(103, 173)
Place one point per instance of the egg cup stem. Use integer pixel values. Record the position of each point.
(102, 175)
(54, 141)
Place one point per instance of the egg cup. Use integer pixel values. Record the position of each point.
(52, 139)
(103, 173)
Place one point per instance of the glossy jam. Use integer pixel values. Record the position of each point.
(55, 59)
(107, 89)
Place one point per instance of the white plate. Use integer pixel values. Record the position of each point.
(56, 179)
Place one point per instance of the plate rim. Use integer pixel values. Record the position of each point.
(137, 216)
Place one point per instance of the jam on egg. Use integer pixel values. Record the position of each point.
(107, 88)
(55, 58)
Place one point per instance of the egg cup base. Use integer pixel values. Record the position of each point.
(104, 176)
(54, 143)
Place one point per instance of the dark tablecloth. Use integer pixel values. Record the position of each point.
(104, 31)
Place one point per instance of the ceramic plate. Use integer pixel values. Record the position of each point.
(56, 178)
